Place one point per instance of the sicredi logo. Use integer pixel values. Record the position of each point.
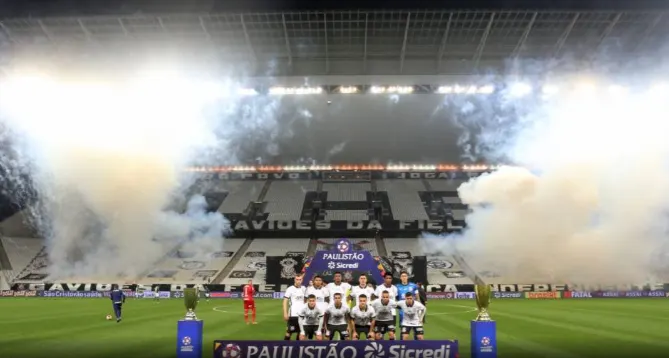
(374, 350)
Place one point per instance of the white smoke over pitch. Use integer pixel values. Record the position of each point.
(592, 205)
(106, 158)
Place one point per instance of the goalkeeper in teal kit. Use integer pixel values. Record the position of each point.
(403, 288)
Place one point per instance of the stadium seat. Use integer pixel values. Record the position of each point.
(347, 191)
(404, 200)
(285, 199)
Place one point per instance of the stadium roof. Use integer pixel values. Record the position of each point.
(408, 41)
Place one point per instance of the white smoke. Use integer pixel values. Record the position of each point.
(107, 158)
(588, 197)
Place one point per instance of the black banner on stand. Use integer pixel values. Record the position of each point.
(281, 270)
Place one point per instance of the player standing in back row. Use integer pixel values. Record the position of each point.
(342, 288)
(320, 292)
(361, 289)
(293, 303)
(248, 294)
(403, 288)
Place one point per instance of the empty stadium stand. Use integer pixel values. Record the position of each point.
(240, 194)
(404, 200)
(349, 215)
(181, 266)
(347, 191)
(441, 268)
(252, 265)
(21, 252)
(285, 199)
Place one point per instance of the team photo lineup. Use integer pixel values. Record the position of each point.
(323, 311)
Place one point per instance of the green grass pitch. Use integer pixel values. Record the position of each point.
(75, 327)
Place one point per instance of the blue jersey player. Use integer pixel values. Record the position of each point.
(405, 287)
(118, 298)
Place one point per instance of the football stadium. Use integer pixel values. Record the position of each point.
(190, 180)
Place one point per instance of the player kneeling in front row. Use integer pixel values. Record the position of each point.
(311, 320)
(362, 319)
(384, 308)
(336, 318)
(412, 318)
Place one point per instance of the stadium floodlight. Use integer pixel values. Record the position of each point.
(348, 89)
(295, 90)
(445, 89)
(391, 89)
(520, 89)
(487, 89)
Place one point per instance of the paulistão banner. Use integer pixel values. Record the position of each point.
(336, 349)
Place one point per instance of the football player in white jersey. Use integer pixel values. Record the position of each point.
(386, 286)
(361, 289)
(337, 318)
(362, 319)
(320, 292)
(293, 303)
(384, 308)
(338, 287)
(311, 320)
(412, 319)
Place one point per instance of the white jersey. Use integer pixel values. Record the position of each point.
(412, 316)
(384, 312)
(363, 318)
(337, 316)
(310, 317)
(321, 294)
(392, 290)
(341, 288)
(296, 296)
(356, 291)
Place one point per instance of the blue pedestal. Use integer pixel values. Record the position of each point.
(484, 339)
(189, 339)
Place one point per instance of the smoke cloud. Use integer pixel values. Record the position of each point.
(107, 159)
(587, 197)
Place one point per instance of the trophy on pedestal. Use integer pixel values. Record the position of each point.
(483, 328)
(190, 329)
(483, 295)
(190, 300)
